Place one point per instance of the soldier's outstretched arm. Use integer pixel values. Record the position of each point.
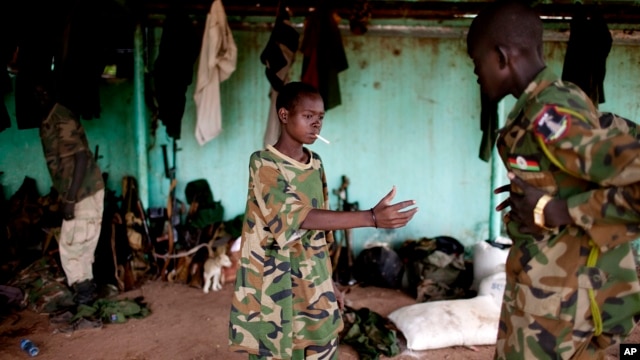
(384, 215)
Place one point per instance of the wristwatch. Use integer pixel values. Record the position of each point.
(538, 211)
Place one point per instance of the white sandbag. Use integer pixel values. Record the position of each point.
(439, 324)
(488, 260)
(493, 285)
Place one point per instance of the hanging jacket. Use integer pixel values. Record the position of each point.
(324, 56)
(585, 62)
(173, 68)
(278, 56)
(217, 62)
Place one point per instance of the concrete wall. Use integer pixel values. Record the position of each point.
(409, 118)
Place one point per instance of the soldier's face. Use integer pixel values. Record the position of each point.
(304, 121)
(490, 68)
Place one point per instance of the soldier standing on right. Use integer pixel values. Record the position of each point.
(572, 289)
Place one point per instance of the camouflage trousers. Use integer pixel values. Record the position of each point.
(523, 336)
(79, 238)
(318, 352)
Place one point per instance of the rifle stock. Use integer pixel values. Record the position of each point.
(170, 211)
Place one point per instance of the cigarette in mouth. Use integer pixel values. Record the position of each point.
(323, 139)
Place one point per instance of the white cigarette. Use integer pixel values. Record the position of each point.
(323, 139)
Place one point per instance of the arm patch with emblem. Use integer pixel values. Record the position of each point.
(553, 122)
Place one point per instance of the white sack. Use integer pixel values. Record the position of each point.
(487, 260)
(439, 324)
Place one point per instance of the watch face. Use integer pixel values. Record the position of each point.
(537, 218)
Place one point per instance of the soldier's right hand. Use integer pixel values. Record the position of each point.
(391, 216)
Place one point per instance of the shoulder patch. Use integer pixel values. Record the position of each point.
(552, 123)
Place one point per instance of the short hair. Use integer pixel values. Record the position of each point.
(510, 23)
(292, 92)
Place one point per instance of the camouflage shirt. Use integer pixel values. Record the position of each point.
(284, 297)
(547, 276)
(62, 137)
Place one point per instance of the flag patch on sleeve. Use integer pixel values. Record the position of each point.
(521, 163)
(552, 123)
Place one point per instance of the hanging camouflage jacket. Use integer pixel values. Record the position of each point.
(546, 308)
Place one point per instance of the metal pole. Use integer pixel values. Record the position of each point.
(140, 121)
(498, 174)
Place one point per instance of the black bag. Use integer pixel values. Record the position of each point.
(379, 266)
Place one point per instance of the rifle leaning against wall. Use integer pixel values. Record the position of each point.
(343, 262)
(173, 216)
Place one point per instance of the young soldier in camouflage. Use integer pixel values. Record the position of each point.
(284, 305)
(572, 288)
(78, 180)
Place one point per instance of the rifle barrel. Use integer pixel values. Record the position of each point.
(167, 172)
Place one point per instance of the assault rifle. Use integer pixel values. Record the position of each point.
(173, 216)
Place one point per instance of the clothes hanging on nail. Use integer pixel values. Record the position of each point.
(585, 60)
(173, 69)
(79, 60)
(324, 55)
(278, 56)
(218, 56)
(489, 126)
(36, 36)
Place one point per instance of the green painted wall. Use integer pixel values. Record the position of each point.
(21, 150)
(397, 126)
(409, 118)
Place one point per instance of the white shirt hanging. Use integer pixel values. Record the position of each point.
(217, 62)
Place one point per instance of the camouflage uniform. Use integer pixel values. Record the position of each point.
(62, 137)
(79, 238)
(284, 302)
(546, 311)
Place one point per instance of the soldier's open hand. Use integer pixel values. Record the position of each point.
(391, 216)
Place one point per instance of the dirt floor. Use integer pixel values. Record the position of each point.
(187, 324)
